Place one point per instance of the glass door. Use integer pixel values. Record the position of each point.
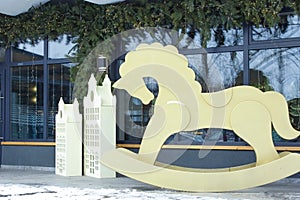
(1, 108)
(1, 104)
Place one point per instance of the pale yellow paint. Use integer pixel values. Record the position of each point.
(128, 163)
(180, 106)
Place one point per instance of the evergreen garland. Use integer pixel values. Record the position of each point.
(86, 24)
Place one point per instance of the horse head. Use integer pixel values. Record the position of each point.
(163, 63)
(134, 84)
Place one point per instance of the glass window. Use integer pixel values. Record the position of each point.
(137, 119)
(60, 85)
(26, 102)
(133, 115)
(209, 136)
(221, 37)
(279, 70)
(289, 28)
(28, 52)
(62, 48)
(2, 54)
(2, 118)
(217, 71)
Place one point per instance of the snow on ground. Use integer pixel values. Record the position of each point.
(39, 192)
(50, 192)
(33, 185)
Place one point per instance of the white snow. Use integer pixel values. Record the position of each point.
(39, 192)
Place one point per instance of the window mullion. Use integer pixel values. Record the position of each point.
(45, 92)
(247, 37)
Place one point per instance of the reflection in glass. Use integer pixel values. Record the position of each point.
(1, 105)
(281, 67)
(26, 102)
(221, 37)
(60, 85)
(62, 48)
(28, 52)
(209, 136)
(289, 28)
(134, 117)
(217, 70)
(279, 70)
(2, 54)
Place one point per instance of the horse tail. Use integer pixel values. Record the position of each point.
(278, 108)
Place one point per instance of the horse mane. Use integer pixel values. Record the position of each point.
(156, 53)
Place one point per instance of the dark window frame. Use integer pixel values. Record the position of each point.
(45, 62)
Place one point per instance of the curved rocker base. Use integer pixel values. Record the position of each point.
(201, 180)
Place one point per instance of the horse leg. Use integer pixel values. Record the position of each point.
(251, 121)
(167, 119)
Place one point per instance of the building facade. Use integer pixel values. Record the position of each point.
(33, 78)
